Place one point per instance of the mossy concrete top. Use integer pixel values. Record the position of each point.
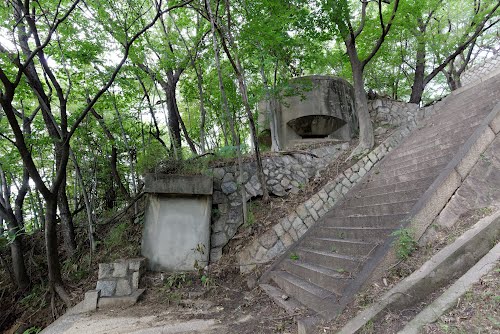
(178, 184)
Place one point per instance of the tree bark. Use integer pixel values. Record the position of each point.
(366, 138)
(417, 89)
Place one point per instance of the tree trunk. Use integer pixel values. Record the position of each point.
(173, 120)
(16, 245)
(53, 265)
(275, 140)
(68, 229)
(417, 89)
(366, 138)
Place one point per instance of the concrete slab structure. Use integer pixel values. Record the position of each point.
(176, 235)
(319, 106)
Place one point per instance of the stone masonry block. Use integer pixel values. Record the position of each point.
(309, 222)
(318, 205)
(269, 238)
(286, 224)
(120, 269)
(105, 270)
(137, 264)
(302, 211)
(90, 300)
(123, 287)
(314, 214)
(107, 287)
(135, 280)
(279, 230)
(323, 195)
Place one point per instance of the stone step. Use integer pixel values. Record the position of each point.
(438, 130)
(443, 156)
(360, 199)
(342, 263)
(309, 294)
(435, 146)
(340, 246)
(380, 221)
(376, 209)
(324, 277)
(358, 233)
(367, 191)
(379, 180)
(440, 161)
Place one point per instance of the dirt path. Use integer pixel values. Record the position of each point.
(185, 305)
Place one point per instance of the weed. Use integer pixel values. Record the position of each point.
(405, 243)
(342, 235)
(32, 330)
(294, 256)
(485, 158)
(341, 270)
(74, 269)
(35, 297)
(116, 236)
(207, 281)
(368, 327)
(333, 249)
(176, 280)
(486, 211)
(173, 297)
(364, 299)
(250, 217)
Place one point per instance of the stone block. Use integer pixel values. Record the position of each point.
(135, 280)
(229, 187)
(309, 222)
(368, 165)
(293, 234)
(120, 268)
(123, 287)
(323, 195)
(318, 206)
(106, 287)
(279, 230)
(105, 270)
(287, 240)
(302, 211)
(268, 239)
(373, 157)
(90, 301)
(215, 254)
(314, 214)
(276, 250)
(137, 264)
(286, 224)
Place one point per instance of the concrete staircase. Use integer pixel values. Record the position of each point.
(326, 267)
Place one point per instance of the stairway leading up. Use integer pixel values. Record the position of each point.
(322, 269)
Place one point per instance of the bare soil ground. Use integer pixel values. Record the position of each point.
(477, 312)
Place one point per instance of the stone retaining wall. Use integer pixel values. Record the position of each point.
(481, 71)
(120, 278)
(385, 111)
(285, 174)
(287, 231)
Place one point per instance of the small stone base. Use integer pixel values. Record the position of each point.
(122, 301)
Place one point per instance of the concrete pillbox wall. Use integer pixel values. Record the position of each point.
(176, 234)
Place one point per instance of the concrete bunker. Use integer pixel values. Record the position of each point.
(313, 107)
(176, 233)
